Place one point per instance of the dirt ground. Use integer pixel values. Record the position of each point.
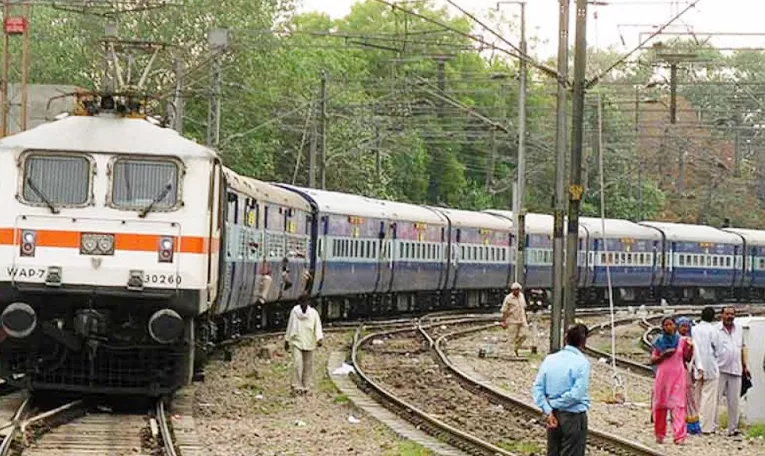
(245, 408)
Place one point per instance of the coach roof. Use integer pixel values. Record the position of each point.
(753, 237)
(617, 228)
(265, 192)
(460, 218)
(681, 232)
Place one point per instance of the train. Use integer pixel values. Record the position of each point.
(127, 252)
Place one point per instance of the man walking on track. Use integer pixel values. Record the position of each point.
(561, 391)
(514, 317)
(303, 335)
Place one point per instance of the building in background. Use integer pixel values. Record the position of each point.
(38, 109)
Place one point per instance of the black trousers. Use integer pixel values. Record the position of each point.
(570, 437)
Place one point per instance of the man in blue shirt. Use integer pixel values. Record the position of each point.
(561, 391)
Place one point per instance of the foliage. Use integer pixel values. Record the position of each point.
(421, 114)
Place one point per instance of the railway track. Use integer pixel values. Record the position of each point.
(471, 443)
(651, 331)
(598, 438)
(432, 425)
(80, 428)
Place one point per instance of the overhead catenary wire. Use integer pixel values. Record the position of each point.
(617, 383)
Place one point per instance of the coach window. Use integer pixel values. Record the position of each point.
(57, 180)
(139, 184)
(727, 261)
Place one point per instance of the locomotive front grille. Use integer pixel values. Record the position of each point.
(130, 370)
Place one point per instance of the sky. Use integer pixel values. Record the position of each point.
(619, 24)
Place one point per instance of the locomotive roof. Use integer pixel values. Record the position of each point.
(681, 232)
(263, 191)
(460, 218)
(753, 237)
(618, 228)
(106, 134)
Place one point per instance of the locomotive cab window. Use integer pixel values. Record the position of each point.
(56, 180)
(141, 184)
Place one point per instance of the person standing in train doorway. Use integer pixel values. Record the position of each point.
(514, 317)
(304, 335)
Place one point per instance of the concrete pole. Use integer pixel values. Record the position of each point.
(519, 212)
(312, 155)
(575, 190)
(178, 100)
(560, 176)
(218, 42)
(323, 107)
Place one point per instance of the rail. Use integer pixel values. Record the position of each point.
(411, 413)
(599, 438)
(15, 426)
(168, 443)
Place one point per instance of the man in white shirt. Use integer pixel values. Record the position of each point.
(731, 363)
(303, 335)
(705, 345)
(514, 316)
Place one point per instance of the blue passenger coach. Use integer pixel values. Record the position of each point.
(347, 249)
(629, 251)
(701, 262)
(479, 260)
(752, 286)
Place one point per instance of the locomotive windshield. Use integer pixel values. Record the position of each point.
(145, 184)
(55, 180)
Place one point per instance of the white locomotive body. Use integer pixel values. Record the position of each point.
(109, 240)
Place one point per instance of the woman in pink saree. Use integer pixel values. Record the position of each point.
(670, 351)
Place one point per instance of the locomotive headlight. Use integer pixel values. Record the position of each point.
(106, 244)
(89, 245)
(97, 244)
(29, 237)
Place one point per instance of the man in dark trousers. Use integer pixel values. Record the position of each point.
(561, 391)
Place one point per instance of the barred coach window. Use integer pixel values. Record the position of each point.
(136, 184)
(60, 179)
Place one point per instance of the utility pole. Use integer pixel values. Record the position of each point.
(218, 42)
(673, 60)
(673, 93)
(494, 143)
(560, 176)
(637, 154)
(575, 190)
(14, 24)
(737, 150)
(323, 107)
(519, 213)
(178, 101)
(441, 62)
(312, 155)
